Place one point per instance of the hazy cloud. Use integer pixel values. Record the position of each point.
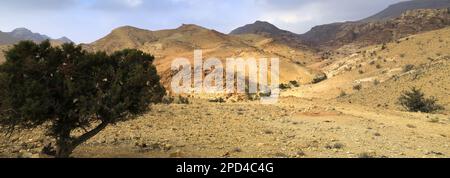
(88, 20)
(37, 4)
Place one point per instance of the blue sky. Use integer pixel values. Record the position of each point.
(85, 21)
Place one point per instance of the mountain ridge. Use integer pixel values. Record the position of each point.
(170, 44)
(23, 34)
(395, 10)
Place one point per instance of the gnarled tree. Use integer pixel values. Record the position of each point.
(67, 88)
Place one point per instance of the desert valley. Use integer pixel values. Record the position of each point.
(340, 90)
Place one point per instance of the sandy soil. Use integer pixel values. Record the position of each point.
(293, 128)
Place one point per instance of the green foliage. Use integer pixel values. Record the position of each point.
(72, 89)
(414, 101)
(384, 46)
(284, 86)
(408, 67)
(342, 94)
(357, 87)
(294, 83)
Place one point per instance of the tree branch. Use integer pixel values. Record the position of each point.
(86, 136)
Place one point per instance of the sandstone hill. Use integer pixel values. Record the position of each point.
(167, 45)
(376, 75)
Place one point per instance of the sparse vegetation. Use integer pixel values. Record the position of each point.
(408, 67)
(319, 78)
(335, 146)
(294, 83)
(414, 101)
(181, 100)
(384, 46)
(267, 131)
(357, 87)
(217, 100)
(175, 100)
(366, 155)
(284, 86)
(376, 82)
(342, 94)
(434, 120)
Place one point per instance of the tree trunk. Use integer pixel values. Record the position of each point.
(63, 150)
(65, 144)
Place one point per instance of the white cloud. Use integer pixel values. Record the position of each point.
(133, 3)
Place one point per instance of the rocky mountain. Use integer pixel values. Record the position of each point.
(395, 10)
(5, 38)
(366, 33)
(167, 45)
(261, 28)
(21, 34)
(64, 40)
(398, 20)
(271, 31)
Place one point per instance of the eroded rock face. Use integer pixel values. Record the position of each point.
(369, 33)
(396, 10)
(271, 31)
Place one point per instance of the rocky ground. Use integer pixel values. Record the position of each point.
(294, 128)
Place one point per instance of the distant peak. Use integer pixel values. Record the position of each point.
(65, 40)
(257, 27)
(262, 22)
(191, 27)
(126, 27)
(21, 30)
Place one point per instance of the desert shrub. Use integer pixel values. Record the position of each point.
(376, 82)
(181, 100)
(66, 88)
(378, 66)
(357, 87)
(384, 46)
(319, 78)
(342, 94)
(434, 120)
(294, 83)
(360, 71)
(217, 100)
(402, 55)
(408, 67)
(175, 100)
(167, 99)
(415, 101)
(284, 86)
(366, 155)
